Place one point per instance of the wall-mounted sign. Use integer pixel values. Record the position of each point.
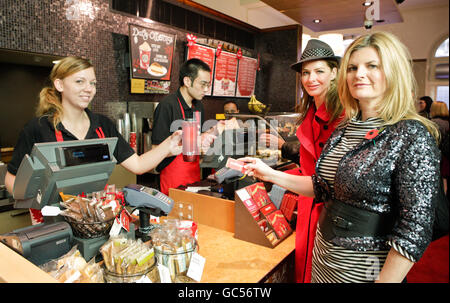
(204, 53)
(246, 77)
(143, 86)
(151, 53)
(225, 74)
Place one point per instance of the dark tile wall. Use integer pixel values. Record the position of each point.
(53, 27)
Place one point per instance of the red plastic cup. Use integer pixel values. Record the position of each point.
(190, 137)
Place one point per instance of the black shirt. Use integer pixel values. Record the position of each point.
(41, 129)
(168, 111)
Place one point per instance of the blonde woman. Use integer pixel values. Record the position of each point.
(63, 115)
(378, 173)
(439, 115)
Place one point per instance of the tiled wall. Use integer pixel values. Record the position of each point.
(49, 27)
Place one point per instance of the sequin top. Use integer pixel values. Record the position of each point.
(396, 171)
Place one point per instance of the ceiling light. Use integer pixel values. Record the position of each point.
(317, 21)
(367, 3)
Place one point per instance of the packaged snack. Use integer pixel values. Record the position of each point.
(72, 268)
(127, 260)
(174, 242)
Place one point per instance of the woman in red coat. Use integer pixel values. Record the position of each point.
(321, 112)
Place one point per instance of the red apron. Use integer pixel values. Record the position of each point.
(36, 215)
(179, 172)
(312, 134)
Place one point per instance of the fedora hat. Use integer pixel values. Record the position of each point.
(315, 50)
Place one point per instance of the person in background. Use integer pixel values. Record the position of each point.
(378, 173)
(321, 112)
(185, 103)
(424, 105)
(230, 107)
(63, 115)
(439, 115)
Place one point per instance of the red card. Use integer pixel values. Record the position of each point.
(236, 165)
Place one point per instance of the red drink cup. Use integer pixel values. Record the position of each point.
(190, 137)
(144, 55)
(133, 143)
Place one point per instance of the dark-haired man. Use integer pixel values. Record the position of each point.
(195, 81)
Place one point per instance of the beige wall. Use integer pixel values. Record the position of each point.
(419, 31)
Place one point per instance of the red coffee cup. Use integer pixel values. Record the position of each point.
(190, 139)
(144, 55)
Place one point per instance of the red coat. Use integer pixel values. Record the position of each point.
(313, 133)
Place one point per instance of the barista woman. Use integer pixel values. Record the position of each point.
(63, 115)
(378, 173)
(321, 112)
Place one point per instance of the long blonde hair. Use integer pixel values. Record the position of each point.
(50, 101)
(332, 104)
(398, 102)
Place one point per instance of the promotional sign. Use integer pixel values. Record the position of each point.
(151, 53)
(204, 53)
(143, 86)
(225, 74)
(246, 77)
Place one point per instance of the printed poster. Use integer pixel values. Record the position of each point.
(225, 75)
(151, 53)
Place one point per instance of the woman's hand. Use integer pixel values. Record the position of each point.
(257, 168)
(175, 146)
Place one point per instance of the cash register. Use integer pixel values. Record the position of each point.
(71, 167)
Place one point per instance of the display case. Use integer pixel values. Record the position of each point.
(282, 124)
(286, 124)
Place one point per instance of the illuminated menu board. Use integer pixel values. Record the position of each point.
(225, 74)
(246, 77)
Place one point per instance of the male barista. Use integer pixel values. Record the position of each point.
(195, 81)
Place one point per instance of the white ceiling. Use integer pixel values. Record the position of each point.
(261, 15)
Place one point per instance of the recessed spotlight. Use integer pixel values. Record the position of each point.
(367, 3)
(317, 20)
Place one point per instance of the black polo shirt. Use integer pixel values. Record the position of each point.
(41, 129)
(167, 111)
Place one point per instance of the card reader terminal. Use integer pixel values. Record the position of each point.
(226, 173)
(148, 201)
(142, 196)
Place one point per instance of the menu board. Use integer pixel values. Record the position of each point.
(151, 53)
(246, 77)
(225, 74)
(204, 53)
